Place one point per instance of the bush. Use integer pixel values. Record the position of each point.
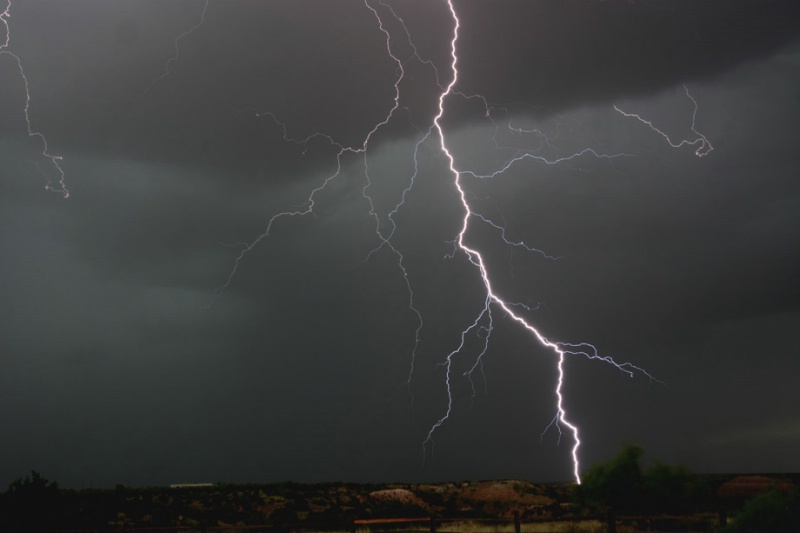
(617, 484)
(774, 511)
(674, 490)
(621, 486)
(29, 504)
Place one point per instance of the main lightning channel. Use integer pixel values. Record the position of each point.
(476, 259)
(561, 420)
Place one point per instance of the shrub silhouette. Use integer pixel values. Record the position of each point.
(622, 487)
(29, 504)
(617, 484)
(774, 511)
(674, 489)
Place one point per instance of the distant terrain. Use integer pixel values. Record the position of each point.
(294, 506)
(323, 505)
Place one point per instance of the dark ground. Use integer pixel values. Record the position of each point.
(39, 505)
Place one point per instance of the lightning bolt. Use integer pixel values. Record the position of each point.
(561, 350)
(700, 141)
(60, 186)
(308, 207)
(436, 136)
(177, 51)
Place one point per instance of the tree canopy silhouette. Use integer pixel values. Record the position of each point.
(623, 486)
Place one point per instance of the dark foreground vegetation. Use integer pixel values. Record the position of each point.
(673, 495)
(620, 494)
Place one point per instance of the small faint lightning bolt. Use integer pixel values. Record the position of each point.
(59, 187)
(700, 141)
(308, 207)
(176, 50)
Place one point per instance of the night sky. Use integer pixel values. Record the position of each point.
(122, 361)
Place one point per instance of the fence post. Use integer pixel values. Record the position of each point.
(353, 525)
(433, 524)
(517, 526)
(611, 518)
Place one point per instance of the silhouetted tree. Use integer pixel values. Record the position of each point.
(617, 484)
(674, 489)
(30, 504)
(774, 511)
(621, 487)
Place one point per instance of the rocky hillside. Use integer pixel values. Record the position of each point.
(329, 505)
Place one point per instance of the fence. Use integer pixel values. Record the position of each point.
(427, 524)
(432, 523)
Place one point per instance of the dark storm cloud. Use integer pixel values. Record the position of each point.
(563, 53)
(115, 370)
(320, 64)
(206, 104)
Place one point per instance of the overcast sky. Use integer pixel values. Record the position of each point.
(135, 349)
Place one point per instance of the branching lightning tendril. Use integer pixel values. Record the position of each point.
(177, 51)
(703, 145)
(60, 185)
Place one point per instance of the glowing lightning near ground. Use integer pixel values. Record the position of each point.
(561, 350)
(61, 186)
